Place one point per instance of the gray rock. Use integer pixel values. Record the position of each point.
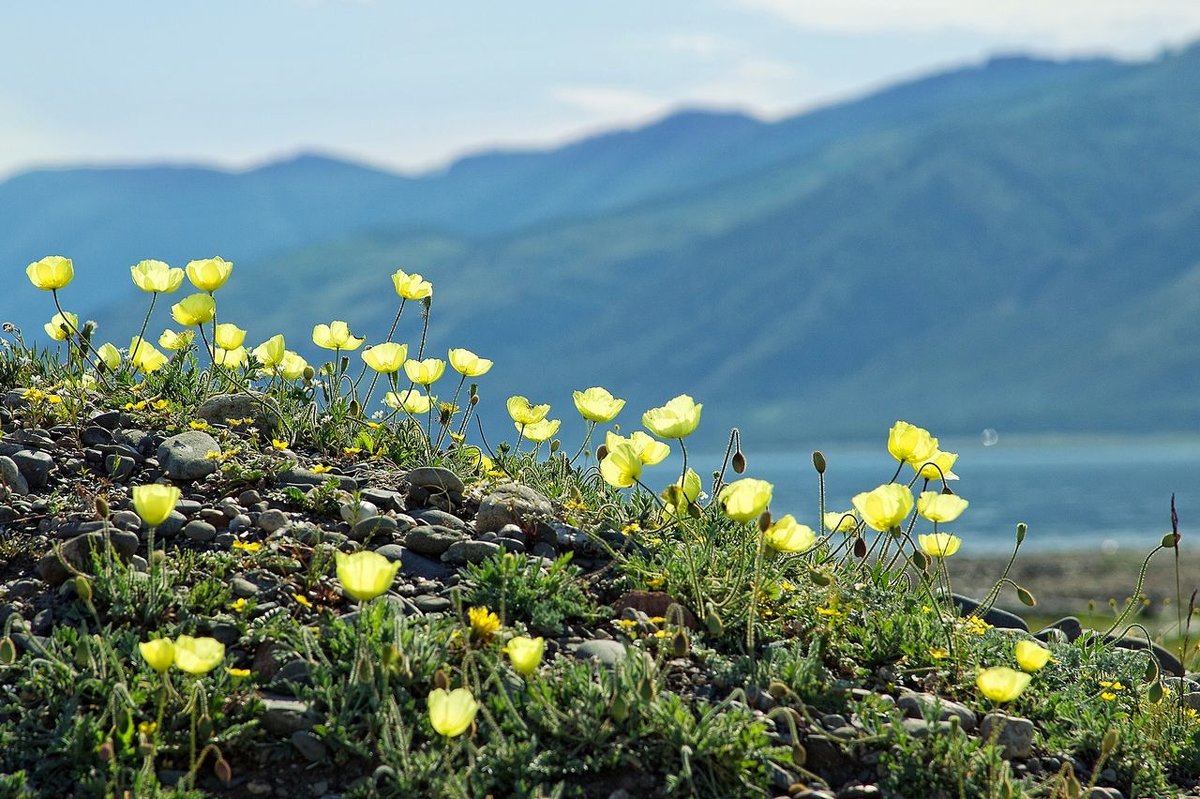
(283, 716)
(197, 530)
(384, 498)
(431, 541)
(223, 407)
(435, 477)
(35, 467)
(188, 506)
(607, 652)
(354, 512)
(995, 616)
(414, 564)
(107, 420)
(119, 467)
(511, 531)
(1013, 734)
(240, 522)
(271, 520)
(470, 551)
(184, 456)
(298, 672)
(172, 526)
(77, 553)
(241, 587)
(1069, 627)
(369, 527)
(126, 520)
(432, 604)
(309, 745)
(1105, 793)
(511, 504)
(920, 705)
(439, 518)
(11, 476)
(920, 728)
(304, 478)
(511, 545)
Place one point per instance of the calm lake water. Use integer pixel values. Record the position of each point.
(1115, 496)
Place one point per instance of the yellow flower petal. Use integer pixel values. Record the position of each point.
(1001, 684)
(451, 712)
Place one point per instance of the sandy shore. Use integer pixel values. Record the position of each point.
(1065, 584)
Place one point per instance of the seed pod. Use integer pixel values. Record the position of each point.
(819, 461)
(1026, 597)
(739, 462)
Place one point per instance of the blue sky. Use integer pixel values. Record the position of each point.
(410, 85)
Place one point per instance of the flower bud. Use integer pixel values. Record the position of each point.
(1022, 529)
(1109, 744)
(8, 651)
(441, 680)
(554, 445)
(1170, 540)
(819, 461)
(1155, 692)
(860, 547)
(1026, 597)
(355, 409)
(83, 589)
(739, 462)
(778, 689)
(819, 577)
(223, 770)
(601, 452)
(799, 754)
(619, 709)
(102, 509)
(679, 643)
(712, 622)
(1151, 670)
(474, 399)
(106, 751)
(764, 521)
(920, 560)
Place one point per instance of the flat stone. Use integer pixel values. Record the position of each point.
(241, 587)
(108, 420)
(11, 476)
(119, 467)
(431, 541)
(607, 652)
(920, 728)
(511, 504)
(304, 478)
(354, 512)
(414, 564)
(223, 407)
(1069, 626)
(921, 705)
(94, 435)
(197, 530)
(284, 716)
(371, 526)
(470, 551)
(35, 467)
(77, 553)
(435, 477)
(184, 456)
(384, 498)
(309, 745)
(127, 520)
(172, 526)
(995, 616)
(439, 518)
(1013, 734)
(432, 604)
(271, 520)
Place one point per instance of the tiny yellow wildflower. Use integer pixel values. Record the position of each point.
(195, 424)
(238, 673)
(238, 604)
(321, 468)
(484, 623)
(278, 444)
(301, 599)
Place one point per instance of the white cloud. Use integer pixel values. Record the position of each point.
(610, 102)
(1133, 26)
(763, 85)
(697, 43)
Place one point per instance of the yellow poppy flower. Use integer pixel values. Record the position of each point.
(154, 502)
(198, 655)
(292, 366)
(525, 653)
(229, 336)
(170, 340)
(596, 404)
(386, 358)
(939, 545)
(426, 372)
(621, 467)
(522, 412)
(232, 359)
(51, 272)
(410, 401)
(451, 712)
(840, 521)
(156, 277)
(411, 287)
(677, 419)
(159, 653)
(209, 274)
(937, 466)
(539, 431)
(270, 353)
(145, 356)
(194, 309)
(938, 507)
(365, 575)
(1031, 655)
(110, 356)
(649, 450)
(786, 535)
(1001, 684)
(468, 364)
(884, 507)
(62, 326)
(910, 444)
(335, 336)
(744, 500)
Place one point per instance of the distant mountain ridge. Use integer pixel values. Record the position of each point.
(1012, 245)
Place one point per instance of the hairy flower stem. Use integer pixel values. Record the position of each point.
(1137, 591)
(586, 440)
(752, 613)
(391, 332)
(84, 345)
(142, 332)
(453, 404)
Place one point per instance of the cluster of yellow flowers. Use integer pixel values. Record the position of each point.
(1004, 684)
